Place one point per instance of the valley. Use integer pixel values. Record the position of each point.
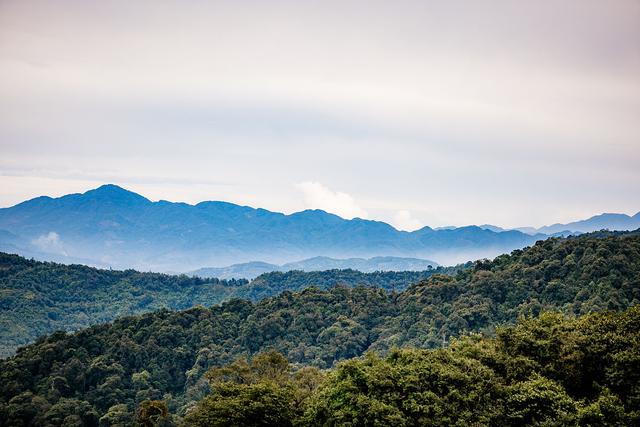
(177, 353)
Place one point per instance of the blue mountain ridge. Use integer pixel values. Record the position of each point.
(111, 226)
(251, 270)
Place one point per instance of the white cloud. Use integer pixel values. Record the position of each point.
(49, 242)
(317, 196)
(537, 95)
(403, 220)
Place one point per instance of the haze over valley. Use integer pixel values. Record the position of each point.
(112, 227)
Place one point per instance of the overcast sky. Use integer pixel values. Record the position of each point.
(412, 112)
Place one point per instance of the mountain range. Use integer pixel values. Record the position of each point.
(112, 227)
(605, 221)
(609, 221)
(250, 270)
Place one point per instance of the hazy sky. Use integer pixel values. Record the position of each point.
(413, 112)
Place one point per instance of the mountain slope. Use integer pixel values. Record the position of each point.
(164, 355)
(253, 269)
(246, 270)
(380, 263)
(117, 228)
(605, 221)
(38, 298)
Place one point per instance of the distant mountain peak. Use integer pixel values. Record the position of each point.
(110, 189)
(312, 212)
(115, 193)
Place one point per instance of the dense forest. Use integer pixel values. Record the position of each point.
(273, 362)
(270, 284)
(38, 298)
(550, 370)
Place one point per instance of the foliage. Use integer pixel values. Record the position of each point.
(262, 392)
(502, 381)
(270, 284)
(164, 355)
(38, 298)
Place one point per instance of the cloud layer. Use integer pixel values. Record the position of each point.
(404, 220)
(455, 111)
(50, 242)
(317, 196)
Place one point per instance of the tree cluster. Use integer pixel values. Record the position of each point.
(104, 373)
(38, 298)
(550, 370)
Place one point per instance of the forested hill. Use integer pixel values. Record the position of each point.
(38, 298)
(109, 369)
(270, 284)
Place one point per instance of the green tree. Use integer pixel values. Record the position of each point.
(259, 392)
(539, 401)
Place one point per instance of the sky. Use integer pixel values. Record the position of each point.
(411, 112)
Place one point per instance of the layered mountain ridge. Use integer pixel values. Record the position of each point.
(112, 227)
(250, 270)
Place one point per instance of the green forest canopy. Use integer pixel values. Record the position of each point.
(38, 298)
(550, 370)
(109, 370)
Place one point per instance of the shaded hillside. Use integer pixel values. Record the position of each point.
(173, 350)
(38, 298)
